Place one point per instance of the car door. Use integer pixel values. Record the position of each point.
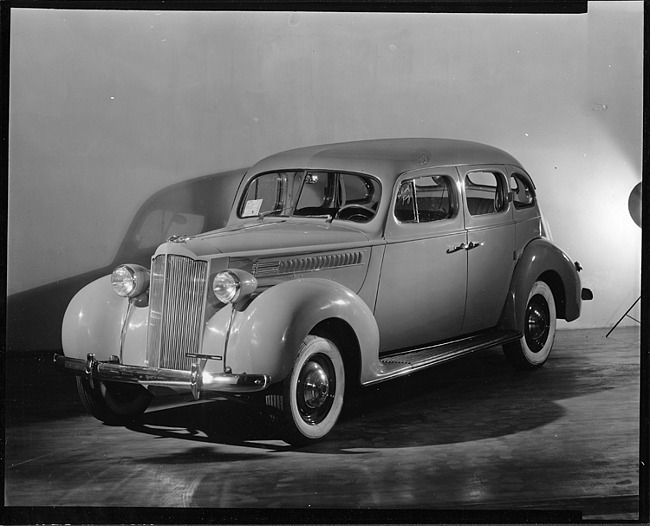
(490, 244)
(421, 294)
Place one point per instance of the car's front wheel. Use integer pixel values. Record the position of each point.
(113, 402)
(539, 319)
(312, 394)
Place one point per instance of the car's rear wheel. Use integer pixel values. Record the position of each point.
(539, 320)
(113, 402)
(312, 394)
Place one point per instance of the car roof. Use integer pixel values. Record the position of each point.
(385, 158)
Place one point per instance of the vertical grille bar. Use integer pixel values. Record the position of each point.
(175, 310)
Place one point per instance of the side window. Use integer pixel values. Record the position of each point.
(425, 199)
(485, 192)
(314, 190)
(405, 204)
(357, 190)
(344, 196)
(523, 192)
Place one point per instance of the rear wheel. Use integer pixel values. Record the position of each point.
(113, 402)
(539, 319)
(312, 394)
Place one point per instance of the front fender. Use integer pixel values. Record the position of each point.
(265, 336)
(93, 321)
(542, 259)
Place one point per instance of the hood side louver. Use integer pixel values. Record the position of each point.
(306, 264)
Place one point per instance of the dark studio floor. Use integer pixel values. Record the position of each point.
(470, 435)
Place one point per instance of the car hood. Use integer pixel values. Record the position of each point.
(277, 236)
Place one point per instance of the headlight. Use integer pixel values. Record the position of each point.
(130, 280)
(232, 285)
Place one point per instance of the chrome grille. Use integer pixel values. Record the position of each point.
(176, 295)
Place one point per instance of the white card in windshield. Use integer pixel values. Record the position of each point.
(252, 207)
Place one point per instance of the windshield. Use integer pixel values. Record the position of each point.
(333, 195)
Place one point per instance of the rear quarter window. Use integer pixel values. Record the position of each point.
(523, 192)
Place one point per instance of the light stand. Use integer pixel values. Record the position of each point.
(624, 315)
(634, 207)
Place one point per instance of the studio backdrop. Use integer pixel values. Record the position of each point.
(126, 126)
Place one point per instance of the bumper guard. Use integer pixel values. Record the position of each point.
(195, 381)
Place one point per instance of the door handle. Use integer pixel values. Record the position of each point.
(463, 246)
(451, 250)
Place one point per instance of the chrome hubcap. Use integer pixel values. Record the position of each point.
(315, 389)
(537, 323)
(316, 386)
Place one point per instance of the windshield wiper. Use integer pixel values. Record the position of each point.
(262, 215)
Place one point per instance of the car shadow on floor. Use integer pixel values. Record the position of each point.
(475, 398)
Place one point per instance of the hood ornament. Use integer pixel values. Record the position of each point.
(178, 239)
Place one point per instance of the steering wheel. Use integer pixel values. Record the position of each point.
(357, 213)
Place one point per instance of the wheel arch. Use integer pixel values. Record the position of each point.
(541, 260)
(554, 281)
(266, 335)
(346, 340)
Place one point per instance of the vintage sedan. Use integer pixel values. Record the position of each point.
(340, 266)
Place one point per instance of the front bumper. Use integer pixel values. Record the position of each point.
(196, 381)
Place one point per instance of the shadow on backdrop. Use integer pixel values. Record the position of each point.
(34, 317)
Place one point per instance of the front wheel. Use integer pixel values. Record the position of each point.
(113, 402)
(312, 394)
(534, 347)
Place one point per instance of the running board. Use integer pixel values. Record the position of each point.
(408, 362)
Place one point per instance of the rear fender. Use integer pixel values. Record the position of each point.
(541, 259)
(265, 336)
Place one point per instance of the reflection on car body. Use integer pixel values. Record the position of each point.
(341, 265)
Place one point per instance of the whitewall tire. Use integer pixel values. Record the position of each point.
(539, 321)
(312, 394)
